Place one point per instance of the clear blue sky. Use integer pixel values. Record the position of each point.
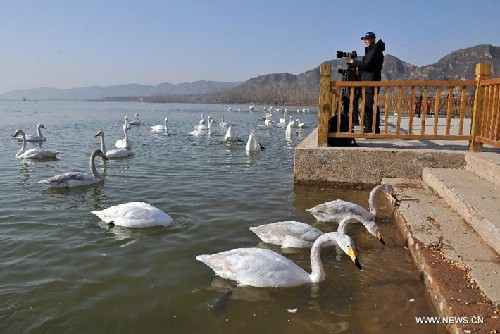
(73, 43)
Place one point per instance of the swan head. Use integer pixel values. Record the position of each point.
(390, 190)
(372, 228)
(125, 128)
(136, 115)
(346, 244)
(99, 153)
(40, 126)
(18, 133)
(99, 133)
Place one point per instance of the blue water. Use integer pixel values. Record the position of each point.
(65, 271)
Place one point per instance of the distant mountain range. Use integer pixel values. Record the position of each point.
(276, 88)
(118, 91)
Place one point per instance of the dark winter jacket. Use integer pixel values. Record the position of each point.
(371, 65)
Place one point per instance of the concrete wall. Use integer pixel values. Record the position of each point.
(365, 166)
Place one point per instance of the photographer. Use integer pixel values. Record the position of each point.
(371, 70)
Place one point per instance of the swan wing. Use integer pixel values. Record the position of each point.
(36, 153)
(71, 179)
(287, 234)
(134, 215)
(335, 211)
(118, 153)
(256, 267)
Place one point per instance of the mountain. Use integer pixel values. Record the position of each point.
(276, 88)
(303, 89)
(130, 90)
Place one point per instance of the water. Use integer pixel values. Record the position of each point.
(65, 271)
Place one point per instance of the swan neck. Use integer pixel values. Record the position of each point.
(39, 131)
(317, 271)
(92, 166)
(371, 200)
(23, 148)
(103, 147)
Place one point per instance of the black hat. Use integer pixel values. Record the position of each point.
(369, 34)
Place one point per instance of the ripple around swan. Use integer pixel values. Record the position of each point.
(62, 268)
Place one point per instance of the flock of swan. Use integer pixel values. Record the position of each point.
(252, 266)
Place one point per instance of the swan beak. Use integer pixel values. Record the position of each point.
(352, 255)
(379, 237)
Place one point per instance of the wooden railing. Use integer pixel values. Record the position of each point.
(420, 110)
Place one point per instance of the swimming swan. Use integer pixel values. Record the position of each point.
(34, 153)
(115, 153)
(75, 179)
(252, 144)
(230, 135)
(160, 128)
(301, 235)
(335, 210)
(35, 138)
(264, 268)
(123, 143)
(134, 215)
(136, 120)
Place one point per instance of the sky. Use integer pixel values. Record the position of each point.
(78, 43)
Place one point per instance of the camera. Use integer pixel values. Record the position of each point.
(342, 54)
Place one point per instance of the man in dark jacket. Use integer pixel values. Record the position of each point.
(371, 70)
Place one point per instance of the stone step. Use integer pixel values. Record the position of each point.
(454, 259)
(485, 165)
(475, 199)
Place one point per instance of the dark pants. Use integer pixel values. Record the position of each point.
(368, 119)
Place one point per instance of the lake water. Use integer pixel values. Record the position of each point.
(64, 271)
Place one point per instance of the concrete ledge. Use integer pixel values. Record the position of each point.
(485, 165)
(461, 271)
(366, 166)
(475, 199)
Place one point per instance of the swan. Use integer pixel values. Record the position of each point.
(260, 267)
(299, 124)
(222, 123)
(134, 215)
(35, 138)
(136, 120)
(115, 153)
(123, 143)
(336, 210)
(160, 128)
(126, 124)
(230, 135)
(252, 144)
(75, 179)
(290, 132)
(301, 235)
(34, 153)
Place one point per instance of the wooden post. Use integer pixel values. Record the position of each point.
(325, 104)
(483, 71)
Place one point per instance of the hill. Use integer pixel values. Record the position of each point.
(276, 88)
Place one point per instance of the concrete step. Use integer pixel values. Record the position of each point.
(475, 199)
(458, 267)
(485, 165)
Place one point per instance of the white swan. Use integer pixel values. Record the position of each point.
(290, 132)
(335, 210)
(134, 215)
(34, 153)
(301, 235)
(115, 153)
(75, 179)
(159, 127)
(35, 138)
(252, 144)
(264, 268)
(123, 143)
(136, 120)
(126, 124)
(230, 135)
(222, 123)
